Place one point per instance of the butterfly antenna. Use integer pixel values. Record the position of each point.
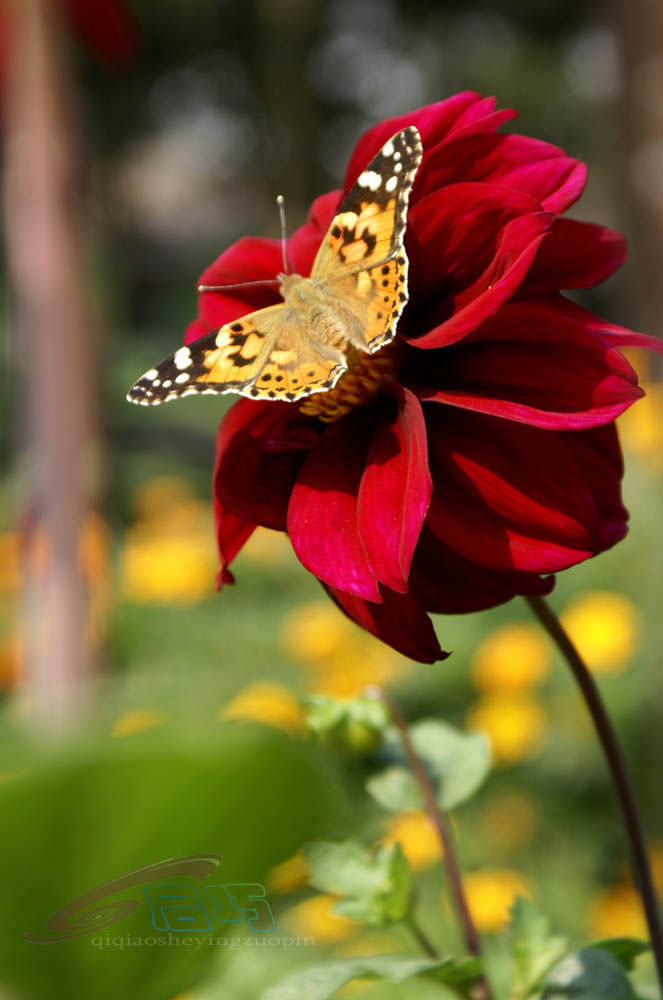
(237, 284)
(280, 201)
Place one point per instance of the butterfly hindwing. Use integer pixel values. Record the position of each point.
(262, 355)
(369, 226)
(376, 297)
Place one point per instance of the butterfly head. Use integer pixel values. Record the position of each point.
(299, 293)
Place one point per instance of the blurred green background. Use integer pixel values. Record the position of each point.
(186, 120)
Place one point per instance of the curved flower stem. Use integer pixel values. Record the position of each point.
(617, 765)
(440, 824)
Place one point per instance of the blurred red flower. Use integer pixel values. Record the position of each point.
(490, 457)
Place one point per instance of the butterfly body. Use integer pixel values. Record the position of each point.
(351, 302)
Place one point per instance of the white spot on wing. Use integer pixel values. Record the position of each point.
(182, 377)
(388, 148)
(370, 179)
(182, 358)
(391, 183)
(152, 374)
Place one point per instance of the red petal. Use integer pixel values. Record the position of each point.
(398, 620)
(435, 121)
(575, 255)
(507, 496)
(249, 259)
(322, 515)
(533, 364)
(231, 533)
(620, 336)
(453, 233)
(395, 493)
(447, 583)
(528, 165)
(108, 27)
(516, 248)
(260, 448)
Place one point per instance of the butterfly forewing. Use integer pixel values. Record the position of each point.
(370, 224)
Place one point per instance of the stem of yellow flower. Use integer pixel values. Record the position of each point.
(442, 829)
(617, 765)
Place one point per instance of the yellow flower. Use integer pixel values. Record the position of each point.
(490, 894)
(514, 657)
(641, 426)
(617, 912)
(514, 724)
(289, 876)
(606, 628)
(342, 660)
(314, 918)
(314, 631)
(510, 820)
(414, 832)
(169, 555)
(137, 720)
(269, 703)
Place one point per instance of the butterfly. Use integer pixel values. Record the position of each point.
(352, 300)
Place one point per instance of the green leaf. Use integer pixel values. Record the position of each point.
(322, 981)
(395, 789)
(112, 807)
(377, 884)
(588, 974)
(625, 950)
(457, 762)
(533, 947)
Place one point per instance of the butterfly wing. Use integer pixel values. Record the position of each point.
(362, 261)
(262, 355)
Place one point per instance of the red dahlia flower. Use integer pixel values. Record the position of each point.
(478, 457)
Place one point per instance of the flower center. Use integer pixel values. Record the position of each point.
(367, 374)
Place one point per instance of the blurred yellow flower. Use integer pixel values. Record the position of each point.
(641, 426)
(514, 723)
(169, 555)
(490, 894)
(269, 703)
(289, 876)
(509, 820)
(341, 660)
(314, 631)
(167, 569)
(266, 547)
(617, 912)
(605, 626)
(137, 720)
(415, 833)
(514, 657)
(314, 918)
